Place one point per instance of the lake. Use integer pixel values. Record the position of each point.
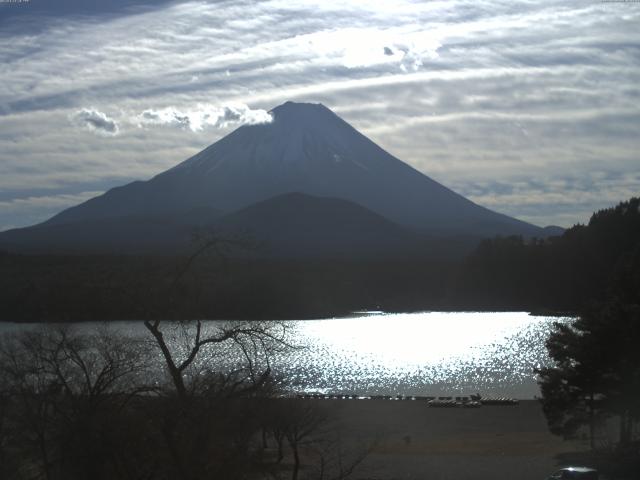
(428, 353)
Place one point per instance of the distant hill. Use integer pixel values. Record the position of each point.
(292, 225)
(295, 224)
(138, 234)
(300, 225)
(552, 231)
(306, 149)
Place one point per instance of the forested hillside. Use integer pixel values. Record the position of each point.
(560, 273)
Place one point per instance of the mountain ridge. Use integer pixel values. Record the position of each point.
(292, 225)
(306, 148)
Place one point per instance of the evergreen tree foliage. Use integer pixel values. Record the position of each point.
(562, 273)
(596, 371)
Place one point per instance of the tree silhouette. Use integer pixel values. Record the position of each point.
(596, 371)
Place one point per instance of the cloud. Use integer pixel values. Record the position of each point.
(472, 92)
(95, 121)
(23, 211)
(535, 200)
(203, 116)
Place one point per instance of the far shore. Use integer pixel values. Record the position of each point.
(319, 316)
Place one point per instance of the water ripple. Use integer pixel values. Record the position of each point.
(430, 353)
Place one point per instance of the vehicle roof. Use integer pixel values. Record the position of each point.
(578, 469)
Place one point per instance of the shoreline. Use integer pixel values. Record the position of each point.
(409, 440)
(535, 312)
(458, 401)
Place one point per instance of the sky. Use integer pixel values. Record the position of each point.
(529, 108)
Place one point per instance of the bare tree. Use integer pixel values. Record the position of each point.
(303, 420)
(203, 430)
(335, 461)
(255, 341)
(317, 446)
(65, 390)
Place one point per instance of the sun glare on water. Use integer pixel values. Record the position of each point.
(422, 353)
(406, 340)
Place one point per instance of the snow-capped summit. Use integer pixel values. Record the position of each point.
(305, 148)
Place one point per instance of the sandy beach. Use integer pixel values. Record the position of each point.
(414, 441)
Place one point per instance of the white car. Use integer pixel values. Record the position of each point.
(577, 473)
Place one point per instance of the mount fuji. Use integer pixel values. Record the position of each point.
(306, 149)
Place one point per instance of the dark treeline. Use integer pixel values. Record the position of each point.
(560, 273)
(557, 274)
(71, 288)
(592, 385)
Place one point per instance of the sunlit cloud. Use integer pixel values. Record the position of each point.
(203, 116)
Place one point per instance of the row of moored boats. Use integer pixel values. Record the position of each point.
(472, 401)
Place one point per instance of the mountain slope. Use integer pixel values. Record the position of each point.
(308, 149)
(292, 225)
(114, 234)
(300, 225)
